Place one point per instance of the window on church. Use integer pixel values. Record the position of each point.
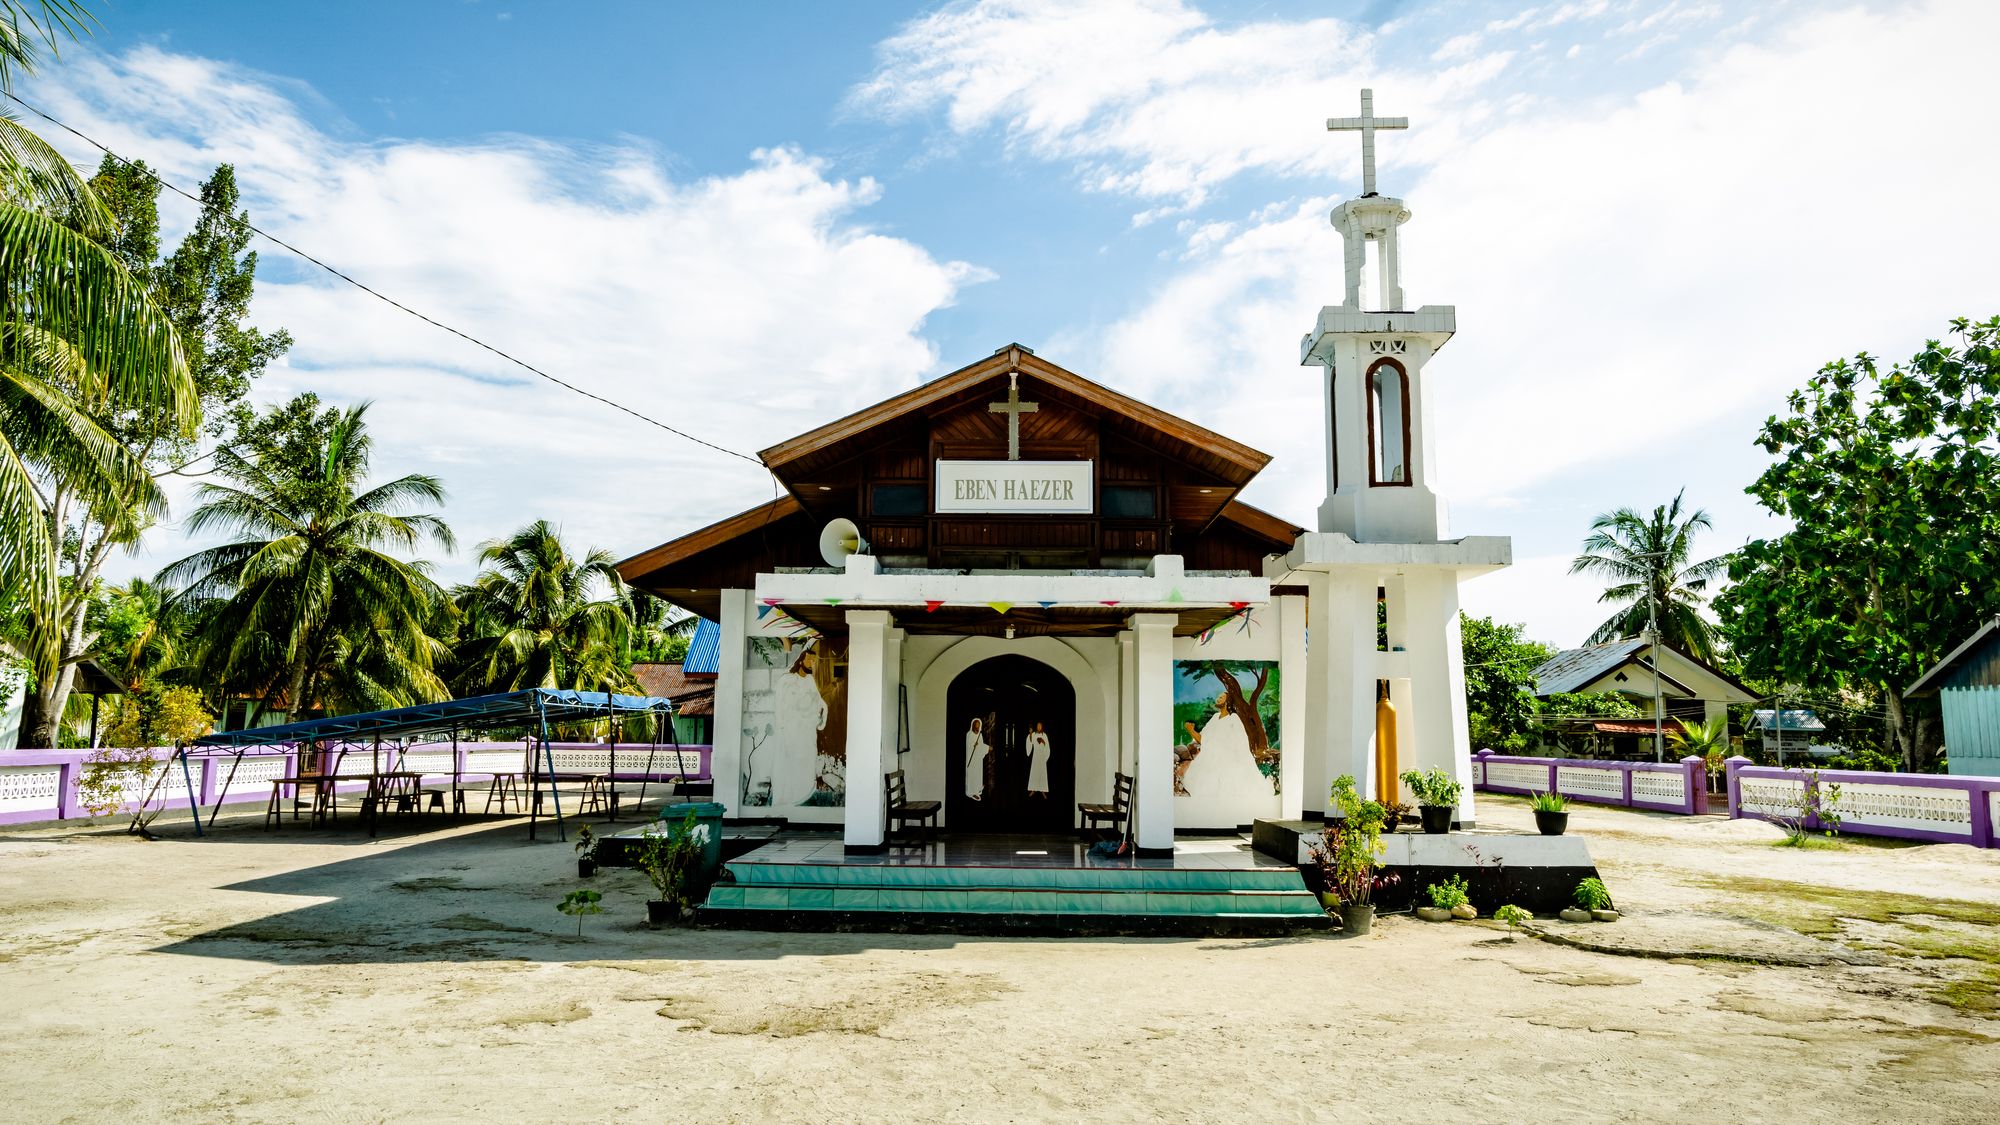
(1388, 423)
(1130, 502)
(897, 500)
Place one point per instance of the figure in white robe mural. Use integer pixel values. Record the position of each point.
(1226, 764)
(976, 750)
(801, 715)
(1038, 762)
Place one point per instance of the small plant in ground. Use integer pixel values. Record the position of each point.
(1591, 895)
(1433, 787)
(579, 903)
(1816, 801)
(1450, 894)
(1550, 802)
(1513, 916)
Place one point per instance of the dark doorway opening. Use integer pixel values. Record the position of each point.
(1010, 722)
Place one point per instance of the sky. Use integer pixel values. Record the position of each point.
(1654, 217)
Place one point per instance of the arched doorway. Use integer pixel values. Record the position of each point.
(997, 711)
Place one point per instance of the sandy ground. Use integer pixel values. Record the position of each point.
(324, 976)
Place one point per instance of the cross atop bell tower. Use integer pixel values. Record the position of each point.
(1367, 123)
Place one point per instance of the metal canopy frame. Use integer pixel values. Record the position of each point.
(534, 709)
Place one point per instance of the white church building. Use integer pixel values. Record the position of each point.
(1014, 585)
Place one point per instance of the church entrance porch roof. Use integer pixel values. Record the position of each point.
(1053, 603)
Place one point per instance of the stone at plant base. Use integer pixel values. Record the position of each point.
(1433, 913)
(1575, 915)
(1464, 910)
(1605, 915)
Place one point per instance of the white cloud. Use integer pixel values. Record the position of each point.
(1639, 276)
(743, 307)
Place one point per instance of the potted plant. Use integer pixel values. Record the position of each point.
(1393, 812)
(668, 858)
(1593, 900)
(1551, 813)
(586, 852)
(1437, 796)
(1348, 852)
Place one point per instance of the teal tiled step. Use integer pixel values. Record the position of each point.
(1294, 902)
(1026, 878)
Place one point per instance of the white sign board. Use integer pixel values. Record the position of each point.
(1014, 486)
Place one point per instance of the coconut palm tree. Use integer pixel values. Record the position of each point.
(313, 607)
(79, 336)
(1646, 559)
(538, 617)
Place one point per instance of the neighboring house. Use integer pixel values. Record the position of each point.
(1791, 730)
(1967, 684)
(689, 683)
(1688, 689)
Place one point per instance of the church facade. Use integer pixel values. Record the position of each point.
(1014, 585)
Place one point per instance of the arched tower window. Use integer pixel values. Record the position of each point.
(1388, 423)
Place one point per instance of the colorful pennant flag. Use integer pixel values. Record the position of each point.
(1046, 605)
(762, 610)
(1001, 607)
(931, 607)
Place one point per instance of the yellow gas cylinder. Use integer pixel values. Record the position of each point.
(1387, 785)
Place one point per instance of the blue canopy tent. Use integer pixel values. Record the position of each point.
(533, 709)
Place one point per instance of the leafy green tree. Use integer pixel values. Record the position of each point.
(80, 338)
(1645, 557)
(314, 607)
(1890, 481)
(537, 616)
(204, 288)
(1501, 708)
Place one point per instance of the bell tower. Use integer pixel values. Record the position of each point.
(1380, 573)
(1372, 350)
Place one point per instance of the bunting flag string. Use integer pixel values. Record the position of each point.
(1001, 607)
(772, 601)
(932, 607)
(764, 610)
(1046, 605)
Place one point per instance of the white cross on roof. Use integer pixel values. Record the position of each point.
(1367, 123)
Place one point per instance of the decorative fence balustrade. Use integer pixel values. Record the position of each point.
(1680, 787)
(42, 784)
(1936, 808)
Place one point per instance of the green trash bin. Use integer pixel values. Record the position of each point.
(708, 822)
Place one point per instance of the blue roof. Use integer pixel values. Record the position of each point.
(479, 712)
(704, 655)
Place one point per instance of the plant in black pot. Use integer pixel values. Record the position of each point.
(668, 858)
(1551, 813)
(586, 852)
(1437, 797)
(1349, 852)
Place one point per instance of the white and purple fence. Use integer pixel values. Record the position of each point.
(1680, 787)
(41, 784)
(1935, 808)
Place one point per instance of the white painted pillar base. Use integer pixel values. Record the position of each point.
(725, 761)
(868, 679)
(1153, 676)
(1294, 685)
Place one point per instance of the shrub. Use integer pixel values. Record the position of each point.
(668, 859)
(1449, 894)
(1350, 849)
(1512, 915)
(1815, 800)
(1591, 895)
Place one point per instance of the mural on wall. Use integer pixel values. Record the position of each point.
(794, 722)
(1226, 748)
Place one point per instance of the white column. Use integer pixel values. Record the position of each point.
(1437, 675)
(1294, 688)
(892, 711)
(1353, 667)
(867, 673)
(1316, 749)
(1128, 711)
(726, 759)
(1153, 675)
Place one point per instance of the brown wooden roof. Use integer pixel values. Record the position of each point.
(837, 441)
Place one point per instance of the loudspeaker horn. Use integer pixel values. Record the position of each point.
(840, 540)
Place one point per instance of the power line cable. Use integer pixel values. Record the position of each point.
(391, 301)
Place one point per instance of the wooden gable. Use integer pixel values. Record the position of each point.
(1160, 485)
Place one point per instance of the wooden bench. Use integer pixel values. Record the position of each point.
(903, 811)
(1115, 812)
